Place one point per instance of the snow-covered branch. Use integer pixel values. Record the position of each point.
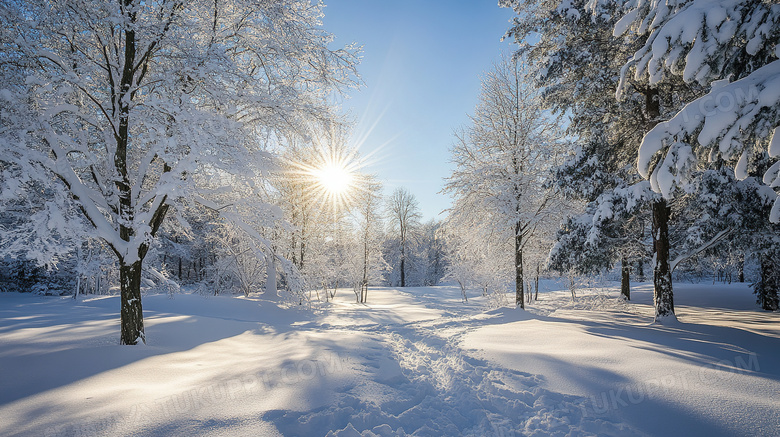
(712, 242)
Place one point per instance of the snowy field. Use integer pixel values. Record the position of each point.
(416, 362)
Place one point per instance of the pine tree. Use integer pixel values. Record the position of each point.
(730, 47)
(580, 63)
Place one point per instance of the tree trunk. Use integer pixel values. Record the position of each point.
(364, 282)
(741, 267)
(519, 297)
(767, 287)
(403, 275)
(464, 298)
(640, 267)
(572, 288)
(663, 297)
(625, 283)
(131, 315)
(270, 279)
(303, 252)
(536, 282)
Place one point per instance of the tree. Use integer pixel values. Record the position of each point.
(433, 252)
(370, 262)
(728, 46)
(137, 105)
(502, 160)
(479, 260)
(577, 62)
(707, 43)
(578, 56)
(403, 213)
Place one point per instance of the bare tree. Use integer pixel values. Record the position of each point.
(502, 159)
(404, 218)
(369, 222)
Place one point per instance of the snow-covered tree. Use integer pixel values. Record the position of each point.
(476, 260)
(730, 46)
(610, 230)
(502, 160)
(432, 252)
(403, 221)
(577, 67)
(579, 60)
(134, 105)
(369, 264)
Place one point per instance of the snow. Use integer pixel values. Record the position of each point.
(741, 170)
(774, 214)
(720, 118)
(415, 361)
(774, 145)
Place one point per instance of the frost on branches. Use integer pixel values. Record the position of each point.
(131, 108)
(731, 46)
(502, 160)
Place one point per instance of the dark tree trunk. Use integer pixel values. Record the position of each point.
(131, 312)
(403, 274)
(663, 297)
(519, 297)
(640, 270)
(536, 285)
(625, 282)
(741, 267)
(131, 315)
(303, 252)
(767, 287)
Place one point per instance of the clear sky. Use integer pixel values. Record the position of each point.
(422, 63)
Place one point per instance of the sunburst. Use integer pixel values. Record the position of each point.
(330, 171)
(335, 179)
(329, 175)
(335, 176)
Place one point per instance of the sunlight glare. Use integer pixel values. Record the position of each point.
(334, 178)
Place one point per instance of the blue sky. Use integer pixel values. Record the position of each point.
(422, 64)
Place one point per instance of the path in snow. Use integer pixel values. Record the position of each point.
(412, 362)
(426, 385)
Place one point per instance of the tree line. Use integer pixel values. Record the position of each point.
(169, 143)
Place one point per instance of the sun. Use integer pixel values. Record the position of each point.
(335, 178)
(329, 175)
(328, 172)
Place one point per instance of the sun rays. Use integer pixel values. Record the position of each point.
(327, 174)
(335, 177)
(330, 171)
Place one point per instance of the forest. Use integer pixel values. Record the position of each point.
(175, 149)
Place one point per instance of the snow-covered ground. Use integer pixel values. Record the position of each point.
(412, 361)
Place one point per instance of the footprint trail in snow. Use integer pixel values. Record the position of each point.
(413, 378)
